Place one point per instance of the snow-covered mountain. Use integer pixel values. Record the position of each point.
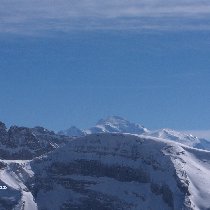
(72, 132)
(181, 137)
(26, 143)
(115, 124)
(110, 172)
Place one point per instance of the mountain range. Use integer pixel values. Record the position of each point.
(116, 124)
(115, 165)
(27, 143)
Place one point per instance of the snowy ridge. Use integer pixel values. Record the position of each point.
(167, 133)
(186, 139)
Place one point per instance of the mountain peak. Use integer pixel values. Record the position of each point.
(112, 120)
(72, 131)
(116, 124)
(2, 126)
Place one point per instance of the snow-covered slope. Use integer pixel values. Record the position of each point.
(113, 171)
(181, 137)
(14, 174)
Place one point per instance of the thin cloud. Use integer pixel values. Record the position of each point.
(37, 16)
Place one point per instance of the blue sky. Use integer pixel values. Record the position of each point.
(72, 63)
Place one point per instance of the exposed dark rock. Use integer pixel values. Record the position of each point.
(165, 191)
(96, 168)
(3, 134)
(27, 143)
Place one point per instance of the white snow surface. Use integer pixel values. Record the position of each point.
(181, 137)
(16, 181)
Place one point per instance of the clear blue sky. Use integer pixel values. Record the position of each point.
(56, 76)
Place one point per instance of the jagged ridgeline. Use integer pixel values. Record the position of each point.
(26, 143)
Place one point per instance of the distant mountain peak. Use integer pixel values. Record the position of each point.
(72, 131)
(111, 124)
(116, 124)
(2, 126)
(112, 119)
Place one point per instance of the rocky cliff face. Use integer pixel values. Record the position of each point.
(3, 134)
(27, 143)
(106, 171)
